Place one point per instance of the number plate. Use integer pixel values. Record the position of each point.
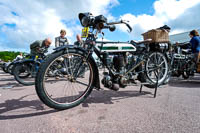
(85, 32)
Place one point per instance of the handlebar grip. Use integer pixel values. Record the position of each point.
(110, 27)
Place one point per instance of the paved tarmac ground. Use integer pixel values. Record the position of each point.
(176, 109)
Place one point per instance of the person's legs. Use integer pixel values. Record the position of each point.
(33, 57)
(37, 65)
(197, 59)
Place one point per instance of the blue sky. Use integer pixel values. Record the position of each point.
(135, 7)
(25, 21)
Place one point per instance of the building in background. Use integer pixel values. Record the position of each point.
(181, 37)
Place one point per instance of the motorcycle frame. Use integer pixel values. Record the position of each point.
(91, 42)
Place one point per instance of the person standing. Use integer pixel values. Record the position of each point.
(19, 57)
(195, 43)
(61, 40)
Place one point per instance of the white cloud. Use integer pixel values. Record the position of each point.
(178, 14)
(39, 19)
(171, 9)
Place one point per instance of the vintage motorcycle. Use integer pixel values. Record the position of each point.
(8, 66)
(24, 71)
(181, 61)
(125, 62)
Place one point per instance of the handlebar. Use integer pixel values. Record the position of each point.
(121, 22)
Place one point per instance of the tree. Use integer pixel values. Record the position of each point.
(8, 55)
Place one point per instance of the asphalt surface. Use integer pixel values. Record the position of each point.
(174, 110)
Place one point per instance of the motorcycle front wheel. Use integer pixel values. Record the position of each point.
(65, 80)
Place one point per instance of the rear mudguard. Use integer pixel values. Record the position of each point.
(26, 61)
(94, 65)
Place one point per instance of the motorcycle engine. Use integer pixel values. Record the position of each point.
(124, 81)
(106, 81)
(119, 62)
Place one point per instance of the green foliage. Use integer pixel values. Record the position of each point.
(8, 55)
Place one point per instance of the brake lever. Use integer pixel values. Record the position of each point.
(126, 23)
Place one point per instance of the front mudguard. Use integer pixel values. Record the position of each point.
(65, 49)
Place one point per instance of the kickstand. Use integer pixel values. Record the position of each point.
(141, 88)
(156, 87)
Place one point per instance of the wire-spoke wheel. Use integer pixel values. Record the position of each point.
(64, 80)
(156, 68)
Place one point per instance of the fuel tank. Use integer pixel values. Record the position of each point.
(115, 47)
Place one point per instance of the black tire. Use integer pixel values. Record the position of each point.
(9, 68)
(22, 74)
(42, 82)
(4, 68)
(185, 75)
(13, 68)
(166, 81)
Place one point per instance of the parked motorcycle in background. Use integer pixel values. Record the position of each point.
(8, 66)
(182, 61)
(25, 70)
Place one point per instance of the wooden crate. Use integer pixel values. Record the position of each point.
(157, 35)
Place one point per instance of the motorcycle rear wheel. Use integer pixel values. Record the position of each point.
(9, 69)
(22, 74)
(185, 75)
(156, 70)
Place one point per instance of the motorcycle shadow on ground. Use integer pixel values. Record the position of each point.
(109, 96)
(17, 108)
(192, 82)
(20, 108)
(11, 85)
(7, 79)
(3, 74)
